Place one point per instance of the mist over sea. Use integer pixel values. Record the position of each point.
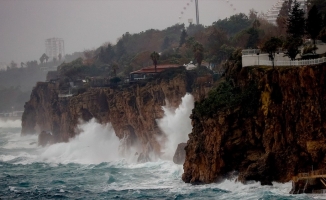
(95, 165)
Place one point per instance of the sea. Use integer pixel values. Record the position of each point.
(92, 166)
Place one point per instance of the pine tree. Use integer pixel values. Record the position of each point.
(296, 21)
(295, 31)
(313, 25)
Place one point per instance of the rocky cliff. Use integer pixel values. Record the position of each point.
(132, 110)
(267, 124)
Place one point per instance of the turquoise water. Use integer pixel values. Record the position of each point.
(80, 170)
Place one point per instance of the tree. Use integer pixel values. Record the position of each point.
(292, 46)
(165, 43)
(13, 65)
(60, 56)
(296, 21)
(115, 67)
(183, 37)
(198, 51)
(120, 48)
(313, 25)
(271, 46)
(321, 5)
(46, 58)
(295, 31)
(253, 38)
(155, 57)
(42, 58)
(216, 39)
(252, 14)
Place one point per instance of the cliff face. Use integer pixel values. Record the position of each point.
(132, 111)
(270, 127)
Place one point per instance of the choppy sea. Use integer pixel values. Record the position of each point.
(89, 167)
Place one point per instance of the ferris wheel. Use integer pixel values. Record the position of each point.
(191, 3)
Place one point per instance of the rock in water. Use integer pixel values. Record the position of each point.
(45, 138)
(180, 154)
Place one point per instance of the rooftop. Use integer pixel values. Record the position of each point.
(151, 69)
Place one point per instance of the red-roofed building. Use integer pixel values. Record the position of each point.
(148, 72)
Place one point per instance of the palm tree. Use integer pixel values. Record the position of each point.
(155, 57)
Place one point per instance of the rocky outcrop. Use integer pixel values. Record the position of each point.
(132, 110)
(267, 124)
(180, 154)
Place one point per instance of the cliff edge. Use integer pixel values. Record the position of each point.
(266, 124)
(132, 109)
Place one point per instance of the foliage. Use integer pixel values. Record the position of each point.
(12, 99)
(225, 97)
(166, 43)
(234, 24)
(194, 29)
(217, 45)
(155, 57)
(292, 46)
(78, 70)
(236, 57)
(271, 47)
(25, 77)
(253, 38)
(198, 51)
(183, 37)
(296, 21)
(313, 25)
(43, 58)
(115, 67)
(115, 80)
(320, 4)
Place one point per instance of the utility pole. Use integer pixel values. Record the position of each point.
(197, 12)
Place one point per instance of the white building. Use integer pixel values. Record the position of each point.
(54, 47)
(273, 13)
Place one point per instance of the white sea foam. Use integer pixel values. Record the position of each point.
(176, 125)
(16, 141)
(95, 144)
(10, 123)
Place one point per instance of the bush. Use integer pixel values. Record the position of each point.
(115, 80)
(225, 96)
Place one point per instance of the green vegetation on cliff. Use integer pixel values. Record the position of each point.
(227, 96)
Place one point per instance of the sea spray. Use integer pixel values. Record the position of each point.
(37, 179)
(10, 124)
(96, 143)
(176, 125)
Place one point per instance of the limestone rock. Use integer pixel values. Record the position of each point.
(277, 137)
(132, 110)
(180, 154)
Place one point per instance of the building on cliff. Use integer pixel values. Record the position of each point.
(148, 72)
(54, 48)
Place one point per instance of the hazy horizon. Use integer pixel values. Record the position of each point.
(87, 24)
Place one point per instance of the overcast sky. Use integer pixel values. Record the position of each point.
(87, 24)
